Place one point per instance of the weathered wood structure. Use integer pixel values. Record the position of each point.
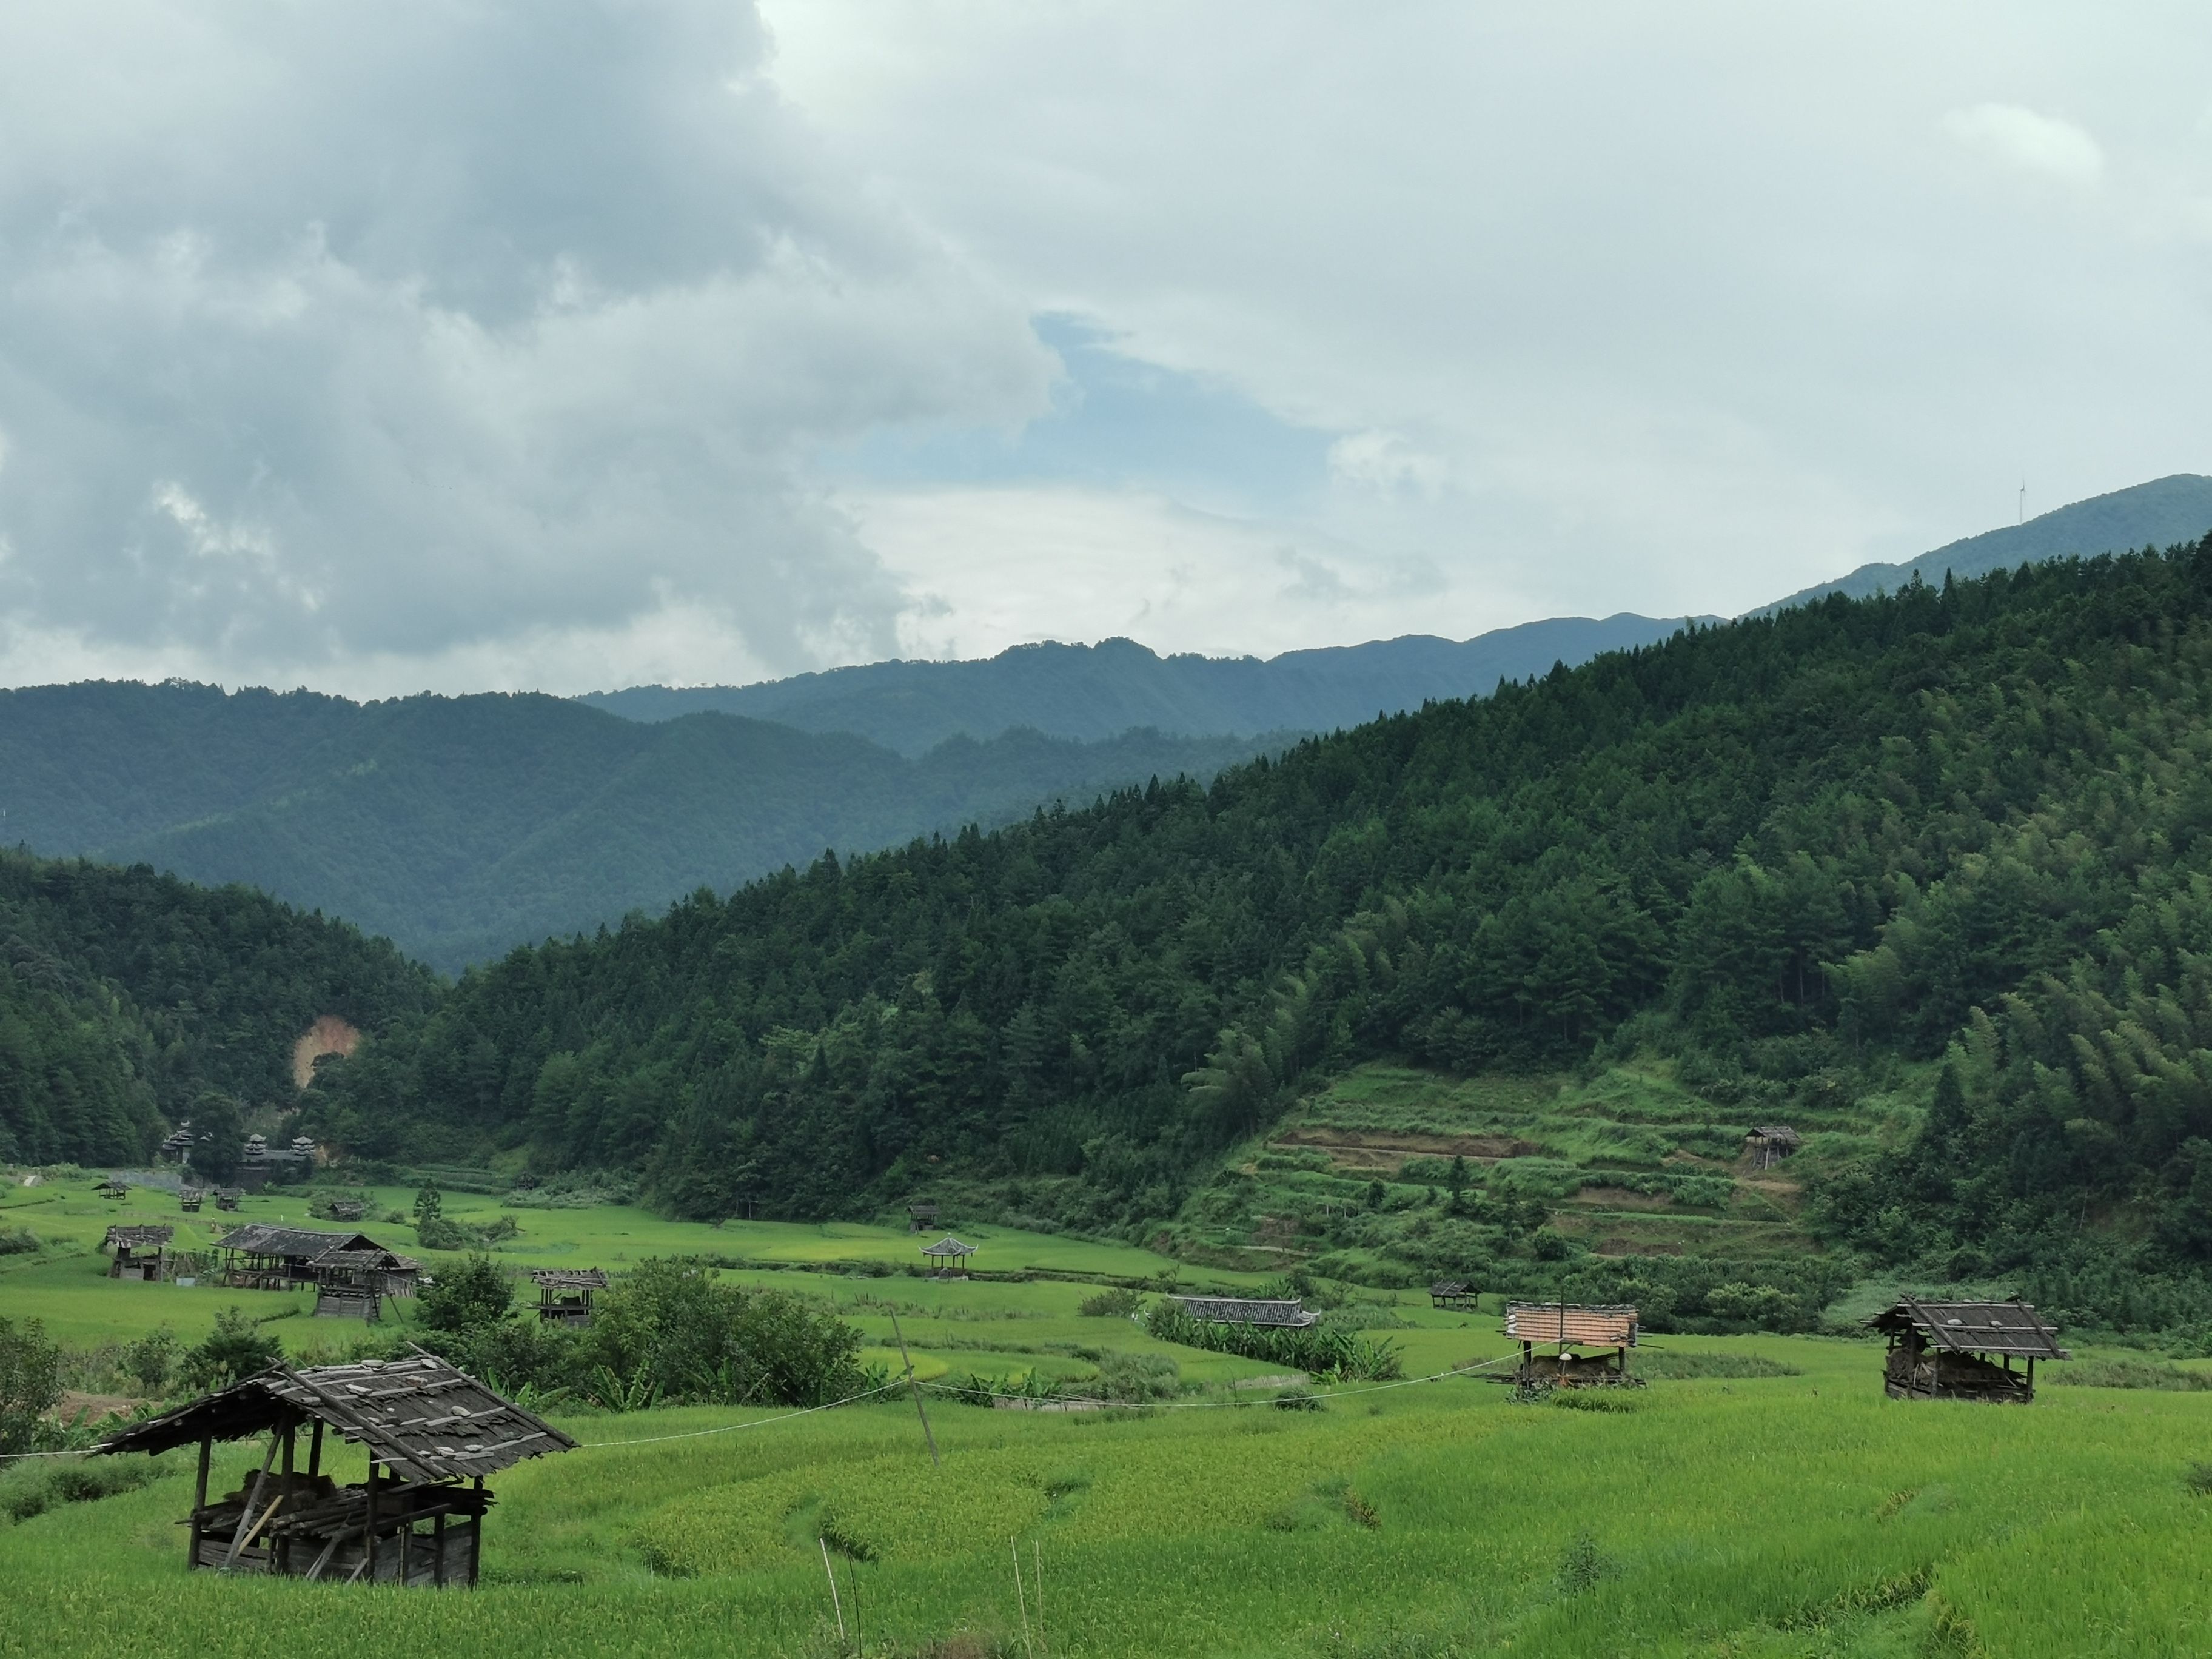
(138, 1252)
(190, 1198)
(347, 1209)
(920, 1217)
(1454, 1293)
(1943, 1350)
(564, 1294)
(1590, 1345)
(1770, 1144)
(948, 1254)
(263, 1256)
(112, 1186)
(352, 1283)
(227, 1198)
(1244, 1310)
(432, 1433)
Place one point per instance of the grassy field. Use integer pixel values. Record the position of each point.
(1800, 1514)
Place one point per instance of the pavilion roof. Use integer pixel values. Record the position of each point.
(948, 1245)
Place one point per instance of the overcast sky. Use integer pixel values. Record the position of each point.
(570, 343)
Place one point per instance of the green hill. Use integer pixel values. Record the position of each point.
(463, 826)
(1931, 873)
(1093, 692)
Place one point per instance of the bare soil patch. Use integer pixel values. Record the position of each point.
(328, 1036)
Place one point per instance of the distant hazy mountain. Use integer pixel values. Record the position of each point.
(462, 826)
(2158, 514)
(1094, 692)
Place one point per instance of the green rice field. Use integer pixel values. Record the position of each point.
(1715, 1512)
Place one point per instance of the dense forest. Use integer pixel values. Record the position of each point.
(1970, 824)
(460, 827)
(126, 997)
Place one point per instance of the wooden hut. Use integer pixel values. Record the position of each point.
(1770, 1144)
(351, 1283)
(1454, 1293)
(227, 1198)
(1590, 1345)
(349, 1209)
(139, 1252)
(947, 1255)
(920, 1217)
(1963, 1350)
(564, 1294)
(263, 1256)
(432, 1433)
(1245, 1310)
(113, 1187)
(190, 1198)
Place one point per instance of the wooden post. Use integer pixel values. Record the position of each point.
(199, 1494)
(476, 1537)
(368, 1545)
(935, 1461)
(438, 1548)
(315, 1450)
(284, 1546)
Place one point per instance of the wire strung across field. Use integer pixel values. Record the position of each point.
(946, 1388)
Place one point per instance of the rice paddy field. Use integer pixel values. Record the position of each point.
(1760, 1497)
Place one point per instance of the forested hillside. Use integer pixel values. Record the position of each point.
(1797, 853)
(124, 995)
(1092, 692)
(461, 826)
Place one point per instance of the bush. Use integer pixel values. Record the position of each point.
(149, 1360)
(1298, 1400)
(18, 1241)
(31, 1489)
(1134, 1378)
(670, 1327)
(234, 1350)
(1115, 1304)
(464, 1298)
(30, 1383)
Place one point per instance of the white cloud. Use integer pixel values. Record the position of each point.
(434, 334)
(1386, 462)
(2038, 143)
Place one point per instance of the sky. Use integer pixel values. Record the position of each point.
(565, 344)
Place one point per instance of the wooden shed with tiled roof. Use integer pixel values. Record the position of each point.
(137, 1252)
(1964, 1350)
(1590, 1345)
(432, 1434)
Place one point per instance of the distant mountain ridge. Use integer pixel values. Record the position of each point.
(462, 826)
(2162, 513)
(1090, 692)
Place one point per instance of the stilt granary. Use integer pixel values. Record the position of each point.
(1454, 1293)
(1940, 1350)
(138, 1251)
(1769, 1143)
(564, 1294)
(1590, 1345)
(190, 1198)
(432, 1434)
(263, 1256)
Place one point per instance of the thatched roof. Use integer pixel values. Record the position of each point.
(1577, 1328)
(1999, 1327)
(137, 1238)
(1240, 1310)
(428, 1420)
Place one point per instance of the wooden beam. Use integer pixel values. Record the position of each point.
(369, 1553)
(238, 1538)
(199, 1495)
(315, 1450)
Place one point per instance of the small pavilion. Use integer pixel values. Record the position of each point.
(428, 1428)
(1945, 1350)
(564, 1294)
(1454, 1293)
(1770, 1144)
(947, 1256)
(113, 1187)
(1590, 1345)
(138, 1252)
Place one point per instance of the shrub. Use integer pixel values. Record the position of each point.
(672, 1328)
(1583, 1566)
(1298, 1400)
(1137, 1377)
(33, 1488)
(30, 1382)
(234, 1350)
(465, 1298)
(148, 1361)
(18, 1241)
(1116, 1303)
